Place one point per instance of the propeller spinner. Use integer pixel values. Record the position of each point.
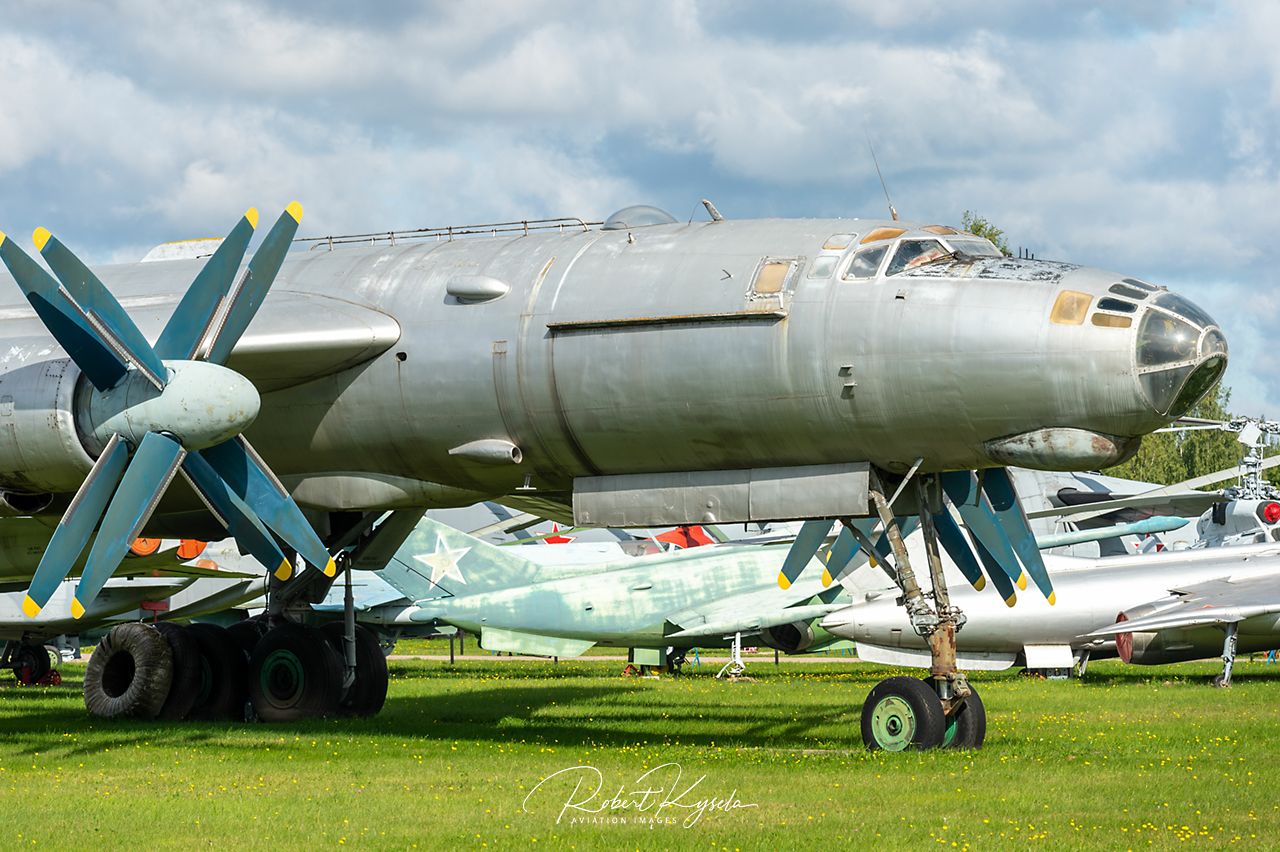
(143, 415)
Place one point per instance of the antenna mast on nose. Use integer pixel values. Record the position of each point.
(888, 200)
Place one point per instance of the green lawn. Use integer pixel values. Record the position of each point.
(1131, 758)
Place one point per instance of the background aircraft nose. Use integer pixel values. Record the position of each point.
(1181, 354)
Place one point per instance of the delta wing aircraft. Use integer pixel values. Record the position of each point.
(644, 372)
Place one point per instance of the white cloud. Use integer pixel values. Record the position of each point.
(1142, 137)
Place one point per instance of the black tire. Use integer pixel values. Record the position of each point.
(294, 674)
(902, 713)
(367, 695)
(30, 664)
(221, 695)
(187, 672)
(967, 726)
(129, 673)
(248, 633)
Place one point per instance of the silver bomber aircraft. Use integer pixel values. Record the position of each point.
(641, 373)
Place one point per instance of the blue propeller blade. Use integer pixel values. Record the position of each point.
(808, 540)
(194, 317)
(952, 539)
(109, 319)
(152, 468)
(254, 286)
(254, 483)
(844, 549)
(1013, 520)
(103, 367)
(997, 574)
(239, 519)
(76, 526)
(961, 488)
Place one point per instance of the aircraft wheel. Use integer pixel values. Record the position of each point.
(902, 713)
(967, 727)
(129, 673)
(294, 673)
(248, 633)
(30, 664)
(221, 692)
(187, 672)
(367, 695)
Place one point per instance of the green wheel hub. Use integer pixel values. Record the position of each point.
(893, 723)
(283, 677)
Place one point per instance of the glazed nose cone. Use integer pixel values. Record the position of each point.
(1180, 354)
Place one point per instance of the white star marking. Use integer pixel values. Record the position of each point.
(444, 562)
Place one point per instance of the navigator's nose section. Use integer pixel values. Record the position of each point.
(1180, 354)
(1123, 358)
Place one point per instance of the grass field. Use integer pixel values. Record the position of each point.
(1131, 758)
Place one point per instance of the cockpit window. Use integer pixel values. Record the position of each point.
(913, 253)
(1179, 305)
(974, 247)
(823, 266)
(1165, 340)
(865, 263)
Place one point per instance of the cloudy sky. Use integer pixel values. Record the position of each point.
(1140, 136)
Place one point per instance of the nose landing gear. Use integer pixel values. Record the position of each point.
(942, 710)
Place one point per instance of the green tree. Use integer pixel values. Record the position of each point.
(979, 226)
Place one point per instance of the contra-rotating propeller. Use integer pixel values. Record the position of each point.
(163, 409)
(999, 542)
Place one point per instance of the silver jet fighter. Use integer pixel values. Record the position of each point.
(643, 373)
(1147, 609)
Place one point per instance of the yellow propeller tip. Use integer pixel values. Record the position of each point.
(1022, 581)
(40, 236)
(1011, 600)
(29, 607)
(1053, 598)
(284, 571)
(783, 582)
(980, 584)
(252, 215)
(331, 569)
(827, 579)
(77, 608)
(295, 210)
(2, 238)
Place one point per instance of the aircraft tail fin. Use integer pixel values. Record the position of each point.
(439, 561)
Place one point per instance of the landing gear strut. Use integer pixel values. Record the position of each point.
(1228, 656)
(943, 710)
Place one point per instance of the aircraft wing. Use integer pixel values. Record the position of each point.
(753, 612)
(294, 337)
(1221, 601)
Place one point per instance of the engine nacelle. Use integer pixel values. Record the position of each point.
(791, 638)
(40, 449)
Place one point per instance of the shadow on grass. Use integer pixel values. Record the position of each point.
(565, 711)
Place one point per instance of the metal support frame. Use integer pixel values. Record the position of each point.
(348, 629)
(1229, 645)
(735, 667)
(1083, 663)
(938, 621)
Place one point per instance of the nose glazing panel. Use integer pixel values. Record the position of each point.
(1180, 354)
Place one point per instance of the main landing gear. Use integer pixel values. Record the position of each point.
(266, 667)
(942, 710)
